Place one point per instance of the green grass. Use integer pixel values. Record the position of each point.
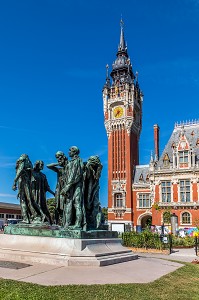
(182, 284)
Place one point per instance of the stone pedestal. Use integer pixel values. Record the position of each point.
(51, 246)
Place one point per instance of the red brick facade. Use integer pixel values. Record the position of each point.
(138, 194)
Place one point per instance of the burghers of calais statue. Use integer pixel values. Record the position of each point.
(60, 167)
(30, 191)
(92, 173)
(39, 187)
(76, 195)
(74, 214)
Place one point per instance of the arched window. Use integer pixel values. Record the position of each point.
(186, 218)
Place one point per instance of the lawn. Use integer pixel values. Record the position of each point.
(182, 284)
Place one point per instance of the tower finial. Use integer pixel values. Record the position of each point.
(107, 68)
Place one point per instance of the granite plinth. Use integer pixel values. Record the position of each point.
(57, 232)
(60, 250)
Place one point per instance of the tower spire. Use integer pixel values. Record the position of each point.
(122, 48)
(122, 45)
(122, 67)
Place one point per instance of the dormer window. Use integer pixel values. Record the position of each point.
(183, 157)
(141, 177)
(166, 160)
(173, 145)
(192, 133)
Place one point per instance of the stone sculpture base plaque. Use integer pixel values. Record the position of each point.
(63, 250)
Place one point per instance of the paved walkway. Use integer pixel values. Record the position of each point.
(147, 268)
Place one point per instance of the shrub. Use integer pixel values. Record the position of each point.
(146, 239)
(187, 241)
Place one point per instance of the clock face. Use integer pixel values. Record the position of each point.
(118, 112)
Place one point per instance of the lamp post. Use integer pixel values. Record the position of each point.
(174, 224)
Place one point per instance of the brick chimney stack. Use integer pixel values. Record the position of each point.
(156, 140)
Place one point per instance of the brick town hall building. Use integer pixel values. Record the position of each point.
(144, 194)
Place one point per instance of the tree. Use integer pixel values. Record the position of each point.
(167, 216)
(105, 212)
(51, 207)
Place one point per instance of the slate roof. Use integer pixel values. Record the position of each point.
(191, 132)
(141, 171)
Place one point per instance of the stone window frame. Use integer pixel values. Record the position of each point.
(118, 200)
(147, 199)
(190, 218)
(183, 156)
(167, 193)
(185, 190)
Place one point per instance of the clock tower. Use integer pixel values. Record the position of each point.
(122, 101)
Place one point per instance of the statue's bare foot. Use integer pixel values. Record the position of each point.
(24, 222)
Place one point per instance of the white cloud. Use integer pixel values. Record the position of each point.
(7, 165)
(7, 195)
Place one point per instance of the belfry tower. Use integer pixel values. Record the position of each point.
(122, 101)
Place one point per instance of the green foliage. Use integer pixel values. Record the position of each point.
(105, 212)
(167, 216)
(51, 207)
(188, 241)
(156, 206)
(51, 204)
(146, 239)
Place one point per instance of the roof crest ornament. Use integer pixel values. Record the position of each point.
(186, 123)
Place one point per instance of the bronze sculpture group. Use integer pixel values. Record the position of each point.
(76, 195)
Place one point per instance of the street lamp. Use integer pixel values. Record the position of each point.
(174, 224)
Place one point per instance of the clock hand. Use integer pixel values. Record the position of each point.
(117, 113)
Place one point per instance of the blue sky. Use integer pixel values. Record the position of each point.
(53, 55)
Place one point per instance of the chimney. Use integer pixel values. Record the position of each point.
(156, 140)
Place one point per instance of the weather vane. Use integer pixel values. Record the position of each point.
(121, 22)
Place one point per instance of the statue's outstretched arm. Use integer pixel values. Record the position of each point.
(53, 167)
(51, 192)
